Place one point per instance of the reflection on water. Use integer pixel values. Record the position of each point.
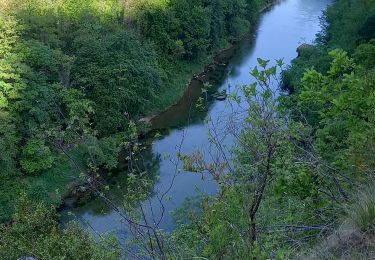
(281, 30)
(185, 112)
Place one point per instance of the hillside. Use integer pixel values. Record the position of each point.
(77, 75)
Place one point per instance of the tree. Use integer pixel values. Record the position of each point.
(263, 139)
(36, 157)
(35, 232)
(264, 152)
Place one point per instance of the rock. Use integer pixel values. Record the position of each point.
(82, 189)
(304, 47)
(145, 120)
(221, 95)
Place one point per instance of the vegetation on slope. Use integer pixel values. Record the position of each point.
(324, 154)
(75, 74)
(355, 237)
(35, 232)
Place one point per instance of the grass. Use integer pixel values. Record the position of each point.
(362, 214)
(355, 238)
(58, 181)
(175, 83)
(10, 188)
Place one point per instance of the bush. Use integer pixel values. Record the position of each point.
(35, 232)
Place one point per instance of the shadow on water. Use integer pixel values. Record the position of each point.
(119, 185)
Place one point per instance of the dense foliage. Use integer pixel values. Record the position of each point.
(34, 232)
(74, 74)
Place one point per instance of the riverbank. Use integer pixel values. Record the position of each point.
(189, 92)
(80, 193)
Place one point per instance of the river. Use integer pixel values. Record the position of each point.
(280, 31)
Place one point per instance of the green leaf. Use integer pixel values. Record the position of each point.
(263, 63)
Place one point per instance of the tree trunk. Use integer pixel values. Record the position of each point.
(253, 230)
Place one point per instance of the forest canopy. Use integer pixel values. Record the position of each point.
(75, 74)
